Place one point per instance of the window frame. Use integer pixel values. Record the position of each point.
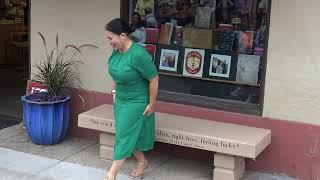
(211, 102)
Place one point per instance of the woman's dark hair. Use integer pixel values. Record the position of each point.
(118, 26)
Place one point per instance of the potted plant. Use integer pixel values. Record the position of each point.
(46, 114)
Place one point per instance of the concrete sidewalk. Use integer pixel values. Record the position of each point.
(77, 158)
(18, 165)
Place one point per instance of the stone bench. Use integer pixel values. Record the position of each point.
(231, 143)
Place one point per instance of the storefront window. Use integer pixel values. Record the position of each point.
(205, 48)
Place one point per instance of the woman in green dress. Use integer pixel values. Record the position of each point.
(136, 86)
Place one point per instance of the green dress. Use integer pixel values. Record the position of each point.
(131, 71)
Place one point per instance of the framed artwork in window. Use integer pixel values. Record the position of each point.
(248, 69)
(169, 60)
(193, 62)
(220, 65)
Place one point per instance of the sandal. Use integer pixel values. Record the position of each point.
(140, 169)
(109, 178)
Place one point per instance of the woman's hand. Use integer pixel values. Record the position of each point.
(153, 96)
(113, 92)
(149, 109)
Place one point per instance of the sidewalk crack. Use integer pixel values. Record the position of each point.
(61, 161)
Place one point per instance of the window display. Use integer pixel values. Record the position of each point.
(169, 60)
(193, 62)
(13, 12)
(248, 68)
(220, 44)
(220, 65)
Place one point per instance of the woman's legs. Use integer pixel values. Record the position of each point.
(115, 168)
(139, 156)
(142, 164)
(116, 165)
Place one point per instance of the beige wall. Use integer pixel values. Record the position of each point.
(77, 22)
(293, 80)
(292, 83)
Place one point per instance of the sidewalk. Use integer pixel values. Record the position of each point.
(18, 165)
(77, 158)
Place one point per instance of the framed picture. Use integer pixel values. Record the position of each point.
(169, 60)
(220, 65)
(248, 68)
(193, 62)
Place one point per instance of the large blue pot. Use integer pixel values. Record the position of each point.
(46, 122)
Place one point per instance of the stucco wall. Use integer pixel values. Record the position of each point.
(292, 82)
(77, 22)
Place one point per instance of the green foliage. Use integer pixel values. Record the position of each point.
(58, 71)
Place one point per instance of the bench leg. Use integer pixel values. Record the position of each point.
(228, 167)
(107, 141)
(106, 152)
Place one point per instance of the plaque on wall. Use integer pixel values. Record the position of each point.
(193, 62)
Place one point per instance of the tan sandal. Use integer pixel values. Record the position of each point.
(140, 169)
(110, 178)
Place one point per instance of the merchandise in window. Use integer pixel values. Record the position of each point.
(207, 48)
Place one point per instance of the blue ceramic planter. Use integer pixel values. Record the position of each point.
(46, 122)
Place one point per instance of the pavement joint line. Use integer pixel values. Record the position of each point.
(61, 161)
(161, 164)
(42, 170)
(12, 137)
(79, 151)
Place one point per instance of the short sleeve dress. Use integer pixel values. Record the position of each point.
(131, 71)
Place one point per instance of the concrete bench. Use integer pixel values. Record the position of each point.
(231, 143)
